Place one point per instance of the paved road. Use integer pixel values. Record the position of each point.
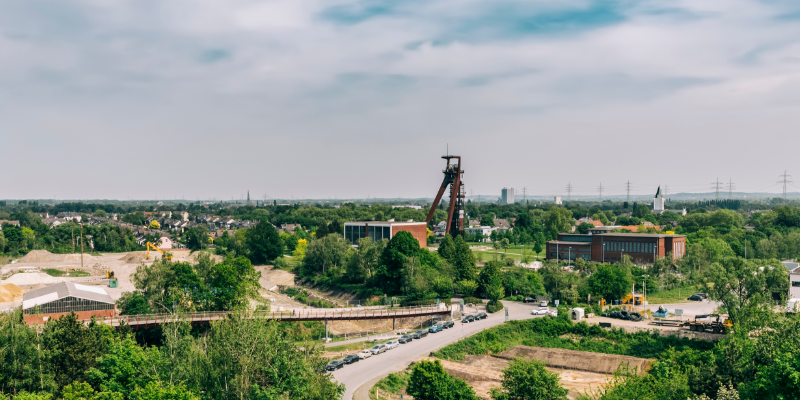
(689, 309)
(357, 374)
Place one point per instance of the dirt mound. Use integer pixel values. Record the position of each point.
(137, 257)
(10, 292)
(42, 256)
(31, 278)
(193, 257)
(577, 360)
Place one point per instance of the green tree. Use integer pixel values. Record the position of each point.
(557, 220)
(326, 253)
(505, 244)
(364, 260)
(2, 242)
(155, 225)
(539, 242)
(264, 243)
(529, 380)
(741, 285)
(447, 249)
(83, 391)
(72, 347)
(100, 213)
(197, 237)
(429, 381)
(23, 364)
(159, 391)
(393, 259)
(467, 287)
(463, 260)
(490, 270)
(233, 283)
(610, 282)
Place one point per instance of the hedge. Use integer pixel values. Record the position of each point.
(424, 302)
(494, 307)
(473, 300)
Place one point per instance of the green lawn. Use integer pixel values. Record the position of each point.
(514, 251)
(677, 295)
(58, 272)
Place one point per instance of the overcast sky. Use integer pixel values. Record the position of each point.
(348, 98)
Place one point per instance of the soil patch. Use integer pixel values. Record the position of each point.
(577, 360)
(10, 292)
(40, 256)
(31, 278)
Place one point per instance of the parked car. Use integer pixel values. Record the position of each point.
(528, 300)
(467, 319)
(378, 349)
(405, 339)
(351, 358)
(448, 324)
(695, 297)
(334, 365)
(420, 334)
(392, 344)
(703, 295)
(540, 311)
(366, 353)
(542, 303)
(481, 315)
(553, 313)
(435, 328)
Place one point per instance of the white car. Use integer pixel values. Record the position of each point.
(540, 311)
(553, 313)
(364, 354)
(378, 349)
(392, 344)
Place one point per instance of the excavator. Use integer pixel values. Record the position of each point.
(149, 245)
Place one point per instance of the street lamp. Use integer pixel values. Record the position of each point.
(604, 251)
(569, 255)
(644, 284)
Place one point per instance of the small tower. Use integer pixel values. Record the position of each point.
(248, 199)
(658, 202)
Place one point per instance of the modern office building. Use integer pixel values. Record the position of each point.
(507, 196)
(610, 247)
(378, 230)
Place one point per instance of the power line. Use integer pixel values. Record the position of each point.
(569, 190)
(731, 186)
(716, 187)
(628, 188)
(600, 189)
(784, 181)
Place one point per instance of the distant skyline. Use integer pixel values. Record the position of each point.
(357, 98)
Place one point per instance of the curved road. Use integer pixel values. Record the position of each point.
(355, 375)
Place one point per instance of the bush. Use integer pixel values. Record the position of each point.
(473, 300)
(494, 307)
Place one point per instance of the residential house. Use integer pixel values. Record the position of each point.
(5, 221)
(502, 225)
(70, 216)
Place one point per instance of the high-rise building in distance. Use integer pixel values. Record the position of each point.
(507, 196)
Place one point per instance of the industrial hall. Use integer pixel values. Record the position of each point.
(642, 248)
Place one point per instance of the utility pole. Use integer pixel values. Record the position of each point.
(731, 186)
(628, 189)
(716, 187)
(525, 194)
(73, 239)
(569, 190)
(81, 246)
(784, 181)
(600, 189)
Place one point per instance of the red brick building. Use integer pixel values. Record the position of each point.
(378, 230)
(610, 247)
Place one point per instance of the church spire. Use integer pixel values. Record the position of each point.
(658, 192)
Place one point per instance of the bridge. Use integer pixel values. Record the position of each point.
(317, 314)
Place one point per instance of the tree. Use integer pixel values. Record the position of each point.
(264, 243)
(495, 290)
(155, 225)
(429, 381)
(584, 227)
(100, 213)
(325, 253)
(197, 237)
(467, 287)
(529, 380)
(610, 282)
(557, 220)
(463, 260)
(393, 258)
(490, 270)
(233, 283)
(505, 244)
(740, 285)
(300, 249)
(2, 242)
(447, 249)
(641, 211)
(365, 259)
(539, 242)
(72, 347)
(159, 391)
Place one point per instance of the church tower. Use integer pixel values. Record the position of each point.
(659, 202)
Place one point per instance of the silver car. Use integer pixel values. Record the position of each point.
(540, 311)
(378, 349)
(392, 344)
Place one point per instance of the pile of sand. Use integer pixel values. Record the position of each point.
(137, 257)
(31, 278)
(193, 257)
(10, 292)
(43, 256)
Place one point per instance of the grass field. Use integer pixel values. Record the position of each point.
(514, 251)
(58, 272)
(677, 295)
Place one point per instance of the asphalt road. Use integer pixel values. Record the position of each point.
(359, 373)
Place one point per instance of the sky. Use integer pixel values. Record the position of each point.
(334, 99)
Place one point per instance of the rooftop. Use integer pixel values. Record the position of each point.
(570, 243)
(64, 289)
(385, 223)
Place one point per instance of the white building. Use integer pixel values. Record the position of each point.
(558, 200)
(794, 279)
(480, 230)
(507, 196)
(659, 202)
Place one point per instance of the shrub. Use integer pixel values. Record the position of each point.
(473, 300)
(423, 302)
(494, 307)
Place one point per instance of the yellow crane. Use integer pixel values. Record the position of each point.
(149, 245)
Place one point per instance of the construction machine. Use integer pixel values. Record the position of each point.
(149, 245)
(704, 323)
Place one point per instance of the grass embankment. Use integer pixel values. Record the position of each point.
(563, 334)
(358, 346)
(394, 383)
(58, 272)
(676, 295)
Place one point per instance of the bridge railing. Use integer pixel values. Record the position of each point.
(299, 315)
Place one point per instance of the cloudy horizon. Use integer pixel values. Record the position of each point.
(357, 98)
